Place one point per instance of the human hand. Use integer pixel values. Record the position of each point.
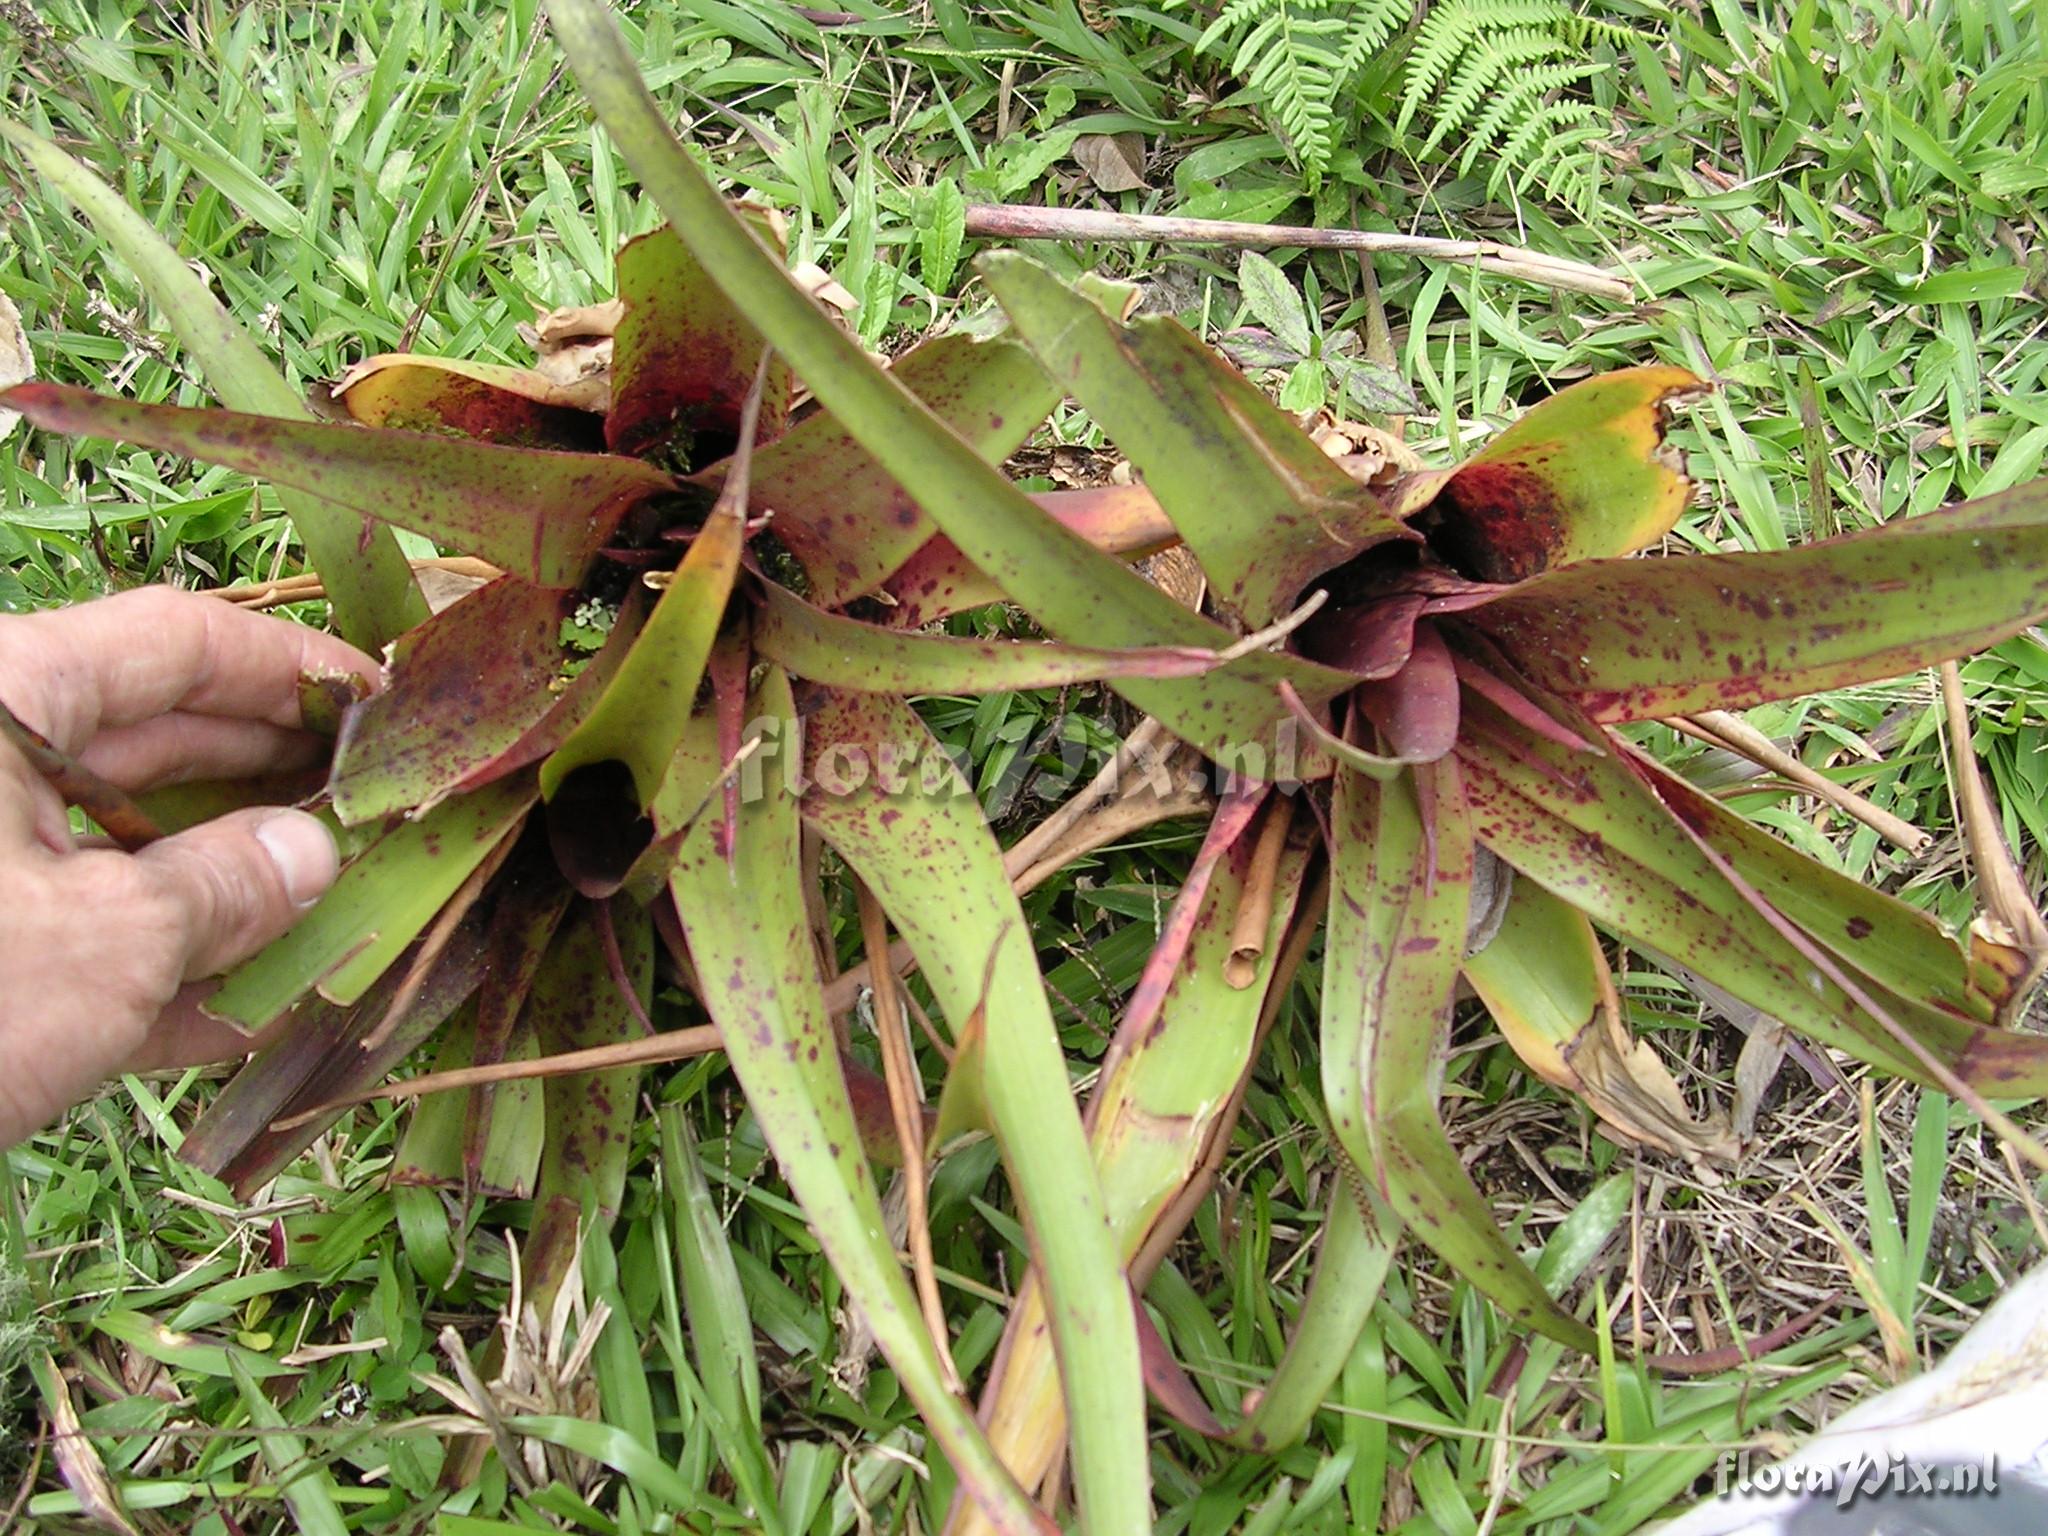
(100, 949)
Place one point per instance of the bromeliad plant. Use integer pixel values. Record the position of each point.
(695, 668)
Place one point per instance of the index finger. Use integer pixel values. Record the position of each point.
(114, 661)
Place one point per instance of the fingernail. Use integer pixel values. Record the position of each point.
(303, 850)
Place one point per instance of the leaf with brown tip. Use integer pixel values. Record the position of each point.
(683, 358)
(485, 401)
(1548, 987)
(1585, 474)
(1591, 830)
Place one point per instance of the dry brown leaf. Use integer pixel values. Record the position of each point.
(1633, 1092)
(2010, 918)
(78, 1460)
(1115, 162)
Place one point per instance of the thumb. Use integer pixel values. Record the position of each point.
(240, 880)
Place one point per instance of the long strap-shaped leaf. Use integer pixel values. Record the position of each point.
(641, 716)
(840, 512)
(576, 1003)
(933, 864)
(1352, 1259)
(1589, 830)
(1399, 893)
(1151, 1118)
(539, 515)
(1258, 502)
(368, 582)
(749, 938)
(1077, 593)
(1900, 947)
(382, 901)
(1635, 639)
(829, 648)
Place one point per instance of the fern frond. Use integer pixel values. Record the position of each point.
(1503, 79)
(1371, 27)
(1451, 29)
(1297, 57)
(1520, 98)
(1541, 135)
(1493, 56)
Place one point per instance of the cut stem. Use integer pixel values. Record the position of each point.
(120, 817)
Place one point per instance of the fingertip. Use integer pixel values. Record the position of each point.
(304, 852)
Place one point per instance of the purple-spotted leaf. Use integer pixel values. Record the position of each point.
(539, 515)
(747, 930)
(1901, 947)
(577, 1002)
(642, 714)
(573, 702)
(823, 647)
(464, 689)
(1121, 520)
(840, 512)
(1583, 475)
(683, 357)
(922, 846)
(1264, 509)
(486, 401)
(384, 898)
(1632, 640)
(1077, 593)
(1589, 829)
(1401, 878)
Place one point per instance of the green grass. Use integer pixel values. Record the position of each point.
(1838, 213)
